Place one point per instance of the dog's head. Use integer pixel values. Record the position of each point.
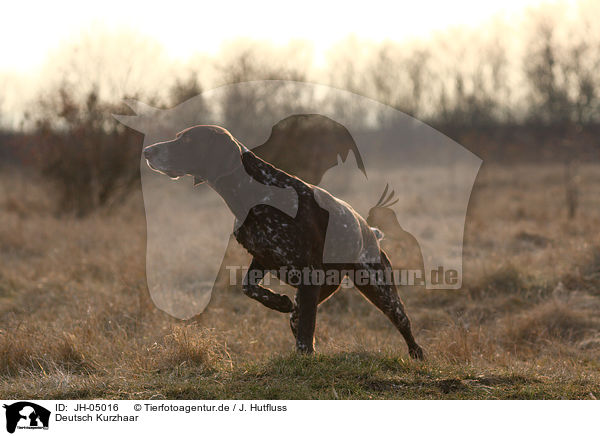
(205, 152)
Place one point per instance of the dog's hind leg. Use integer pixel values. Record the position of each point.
(385, 297)
(252, 288)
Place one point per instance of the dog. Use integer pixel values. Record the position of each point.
(292, 145)
(287, 226)
(295, 140)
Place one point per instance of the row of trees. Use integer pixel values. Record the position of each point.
(544, 69)
(541, 72)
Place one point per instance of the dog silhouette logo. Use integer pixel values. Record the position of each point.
(344, 144)
(26, 415)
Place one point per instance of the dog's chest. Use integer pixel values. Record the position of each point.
(276, 240)
(273, 237)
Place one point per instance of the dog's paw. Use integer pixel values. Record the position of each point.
(304, 348)
(416, 353)
(283, 304)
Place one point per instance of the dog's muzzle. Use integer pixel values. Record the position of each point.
(151, 155)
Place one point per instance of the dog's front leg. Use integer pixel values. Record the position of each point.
(324, 293)
(307, 300)
(268, 298)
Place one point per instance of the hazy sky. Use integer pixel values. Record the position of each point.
(28, 30)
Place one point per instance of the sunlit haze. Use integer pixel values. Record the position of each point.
(30, 31)
(139, 48)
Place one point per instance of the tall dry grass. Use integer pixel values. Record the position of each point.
(75, 310)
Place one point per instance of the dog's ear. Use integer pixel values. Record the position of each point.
(198, 181)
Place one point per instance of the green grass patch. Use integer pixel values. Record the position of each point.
(333, 376)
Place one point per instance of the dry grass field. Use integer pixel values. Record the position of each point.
(76, 320)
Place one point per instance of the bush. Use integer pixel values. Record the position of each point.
(86, 154)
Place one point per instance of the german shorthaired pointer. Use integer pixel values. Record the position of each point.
(283, 223)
